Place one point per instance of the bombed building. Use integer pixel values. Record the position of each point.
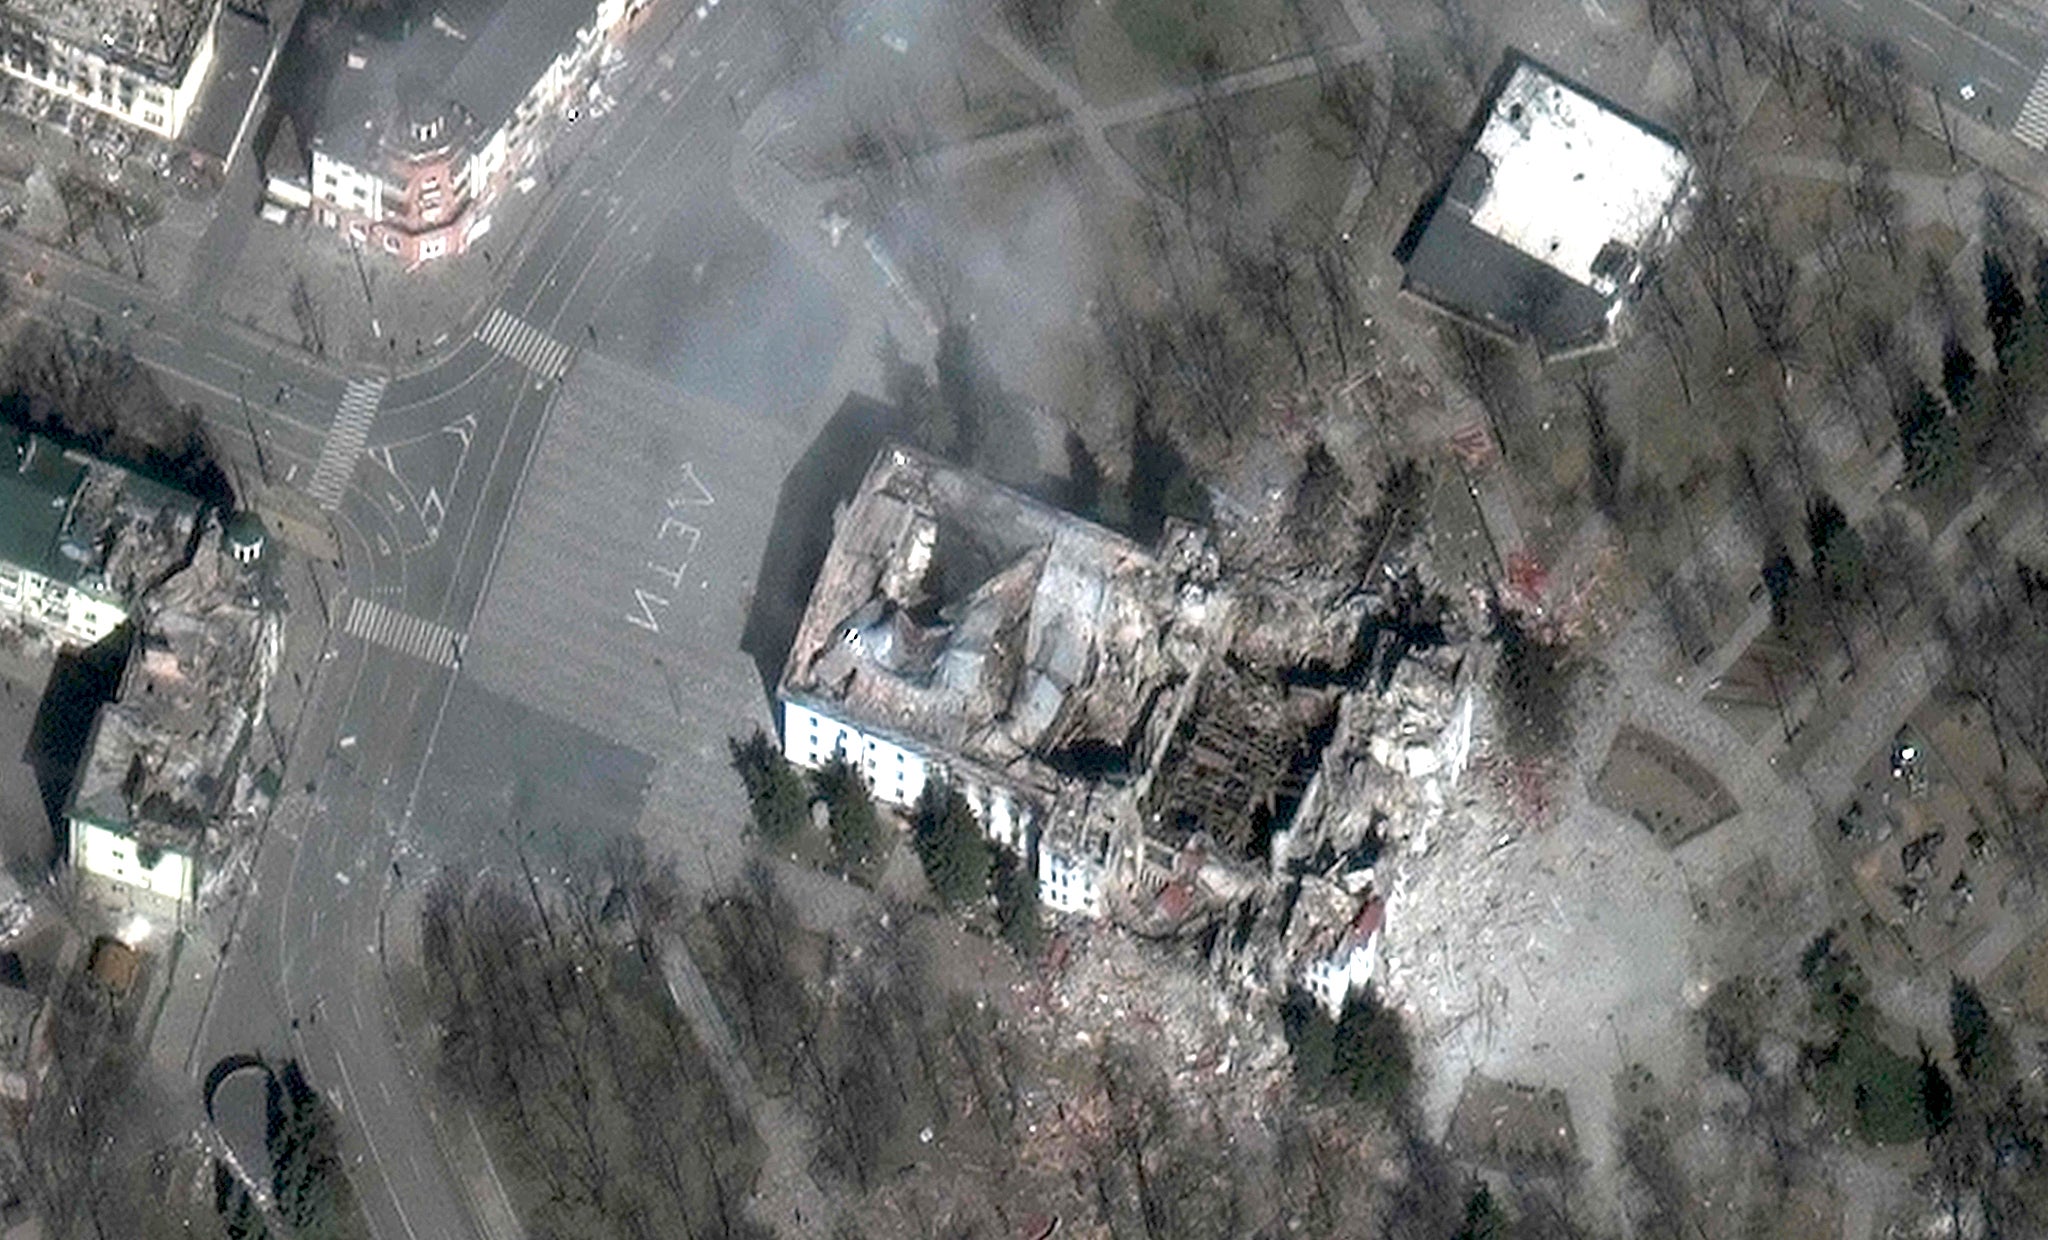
(1146, 734)
(964, 632)
(165, 765)
(142, 62)
(81, 539)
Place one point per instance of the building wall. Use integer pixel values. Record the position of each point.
(81, 74)
(895, 774)
(69, 615)
(345, 192)
(1068, 884)
(113, 855)
(1344, 972)
(386, 210)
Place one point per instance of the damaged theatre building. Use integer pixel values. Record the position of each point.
(1171, 750)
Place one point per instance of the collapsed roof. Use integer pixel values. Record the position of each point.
(90, 523)
(973, 623)
(165, 754)
(155, 35)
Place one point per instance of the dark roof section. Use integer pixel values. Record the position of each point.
(36, 487)
(361, 102)
(1482, 277)
(483, 55)
(241, 46)
(507, 57)
(1467, 272)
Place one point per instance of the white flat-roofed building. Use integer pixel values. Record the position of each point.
(1551, 216)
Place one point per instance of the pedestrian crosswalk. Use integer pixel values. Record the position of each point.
(2032, 126)
(524, 343)
(395, 630)
(344, 444)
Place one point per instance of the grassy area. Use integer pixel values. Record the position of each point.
(1126, 49)
(1291, 158)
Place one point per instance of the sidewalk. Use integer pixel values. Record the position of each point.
(399, 954)
(210, 932)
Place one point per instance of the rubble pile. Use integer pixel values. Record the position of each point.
(1115, 987)
(132, 532)
(167, 757)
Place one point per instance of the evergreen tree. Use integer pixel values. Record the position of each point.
(774, 788)
(1371, 1056)
(1975, 1038)
(1959, 373)
(1928, 438)
(1017, 912)
(1483, 1218)
(1312, 1038)
(856, 830)
(1839, 560)
(2004, 304)
(308, 1177)
(1937, 1095)
(950, 844)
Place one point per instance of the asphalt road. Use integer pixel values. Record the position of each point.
(643, 259)
(1994, 51)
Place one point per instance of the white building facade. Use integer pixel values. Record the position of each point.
(898, 775)
(68, 614)
(43, 45)
(117, 855)
(422, 188)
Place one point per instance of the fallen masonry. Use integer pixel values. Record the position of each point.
(1179, 753)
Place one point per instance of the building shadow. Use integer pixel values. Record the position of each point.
(825, 477)
(81, 681)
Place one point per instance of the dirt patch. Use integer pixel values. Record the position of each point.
(1654, 782)
(1512, 1127)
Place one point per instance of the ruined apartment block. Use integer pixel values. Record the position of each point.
(141, 62)
(81, 539)
(165, 765)
(1557, 206)
(1038, 663)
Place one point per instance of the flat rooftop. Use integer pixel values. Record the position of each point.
(1551, 212)
(972, 622)
(158, 33)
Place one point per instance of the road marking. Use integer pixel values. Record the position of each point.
(344, 444)
(524, 343)
(396, 630)
(2032, 126)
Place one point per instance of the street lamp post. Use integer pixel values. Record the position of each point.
(355, 250)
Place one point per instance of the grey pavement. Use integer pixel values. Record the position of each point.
(1950, 44)
(788, 1199)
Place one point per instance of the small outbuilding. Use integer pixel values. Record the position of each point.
(1554, 211)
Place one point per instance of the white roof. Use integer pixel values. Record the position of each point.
(1568, 176)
